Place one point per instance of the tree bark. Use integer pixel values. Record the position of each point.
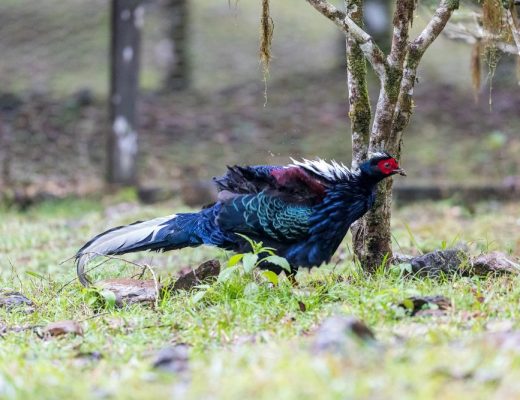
(360, 113)
(373, 240)
(178, 73)
(127, 18)
(397, 75)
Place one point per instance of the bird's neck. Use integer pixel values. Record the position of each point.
(367, 181)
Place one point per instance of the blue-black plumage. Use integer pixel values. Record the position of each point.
(303, 210)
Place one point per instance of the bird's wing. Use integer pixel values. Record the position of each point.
(292, 184)
(246, 180)
(264, 215)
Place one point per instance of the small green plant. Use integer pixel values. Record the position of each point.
(246, 264)
(100, 298)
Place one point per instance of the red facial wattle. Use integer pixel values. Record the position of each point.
(387, 166)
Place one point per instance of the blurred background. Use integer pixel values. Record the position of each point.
(203, 102)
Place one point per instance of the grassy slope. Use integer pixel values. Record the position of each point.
(259, 345)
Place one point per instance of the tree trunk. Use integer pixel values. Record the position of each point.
(360, 113)
(373, 241)
(397, 75)
(5, 160)
(178, 73)
(127, 18)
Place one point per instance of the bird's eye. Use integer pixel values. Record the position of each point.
(387, 165)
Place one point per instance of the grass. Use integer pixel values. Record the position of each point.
(258, 344)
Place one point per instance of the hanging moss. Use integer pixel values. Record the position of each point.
(266, 35)
(492, 15)
(492, 56)
(393, 82)
(453, 4)
(475, 69)
(360, 113)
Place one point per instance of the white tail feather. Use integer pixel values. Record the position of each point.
(112, 241)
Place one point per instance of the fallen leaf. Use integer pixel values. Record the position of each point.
(84, 359)
(63, 328)
(188, 279)
(417, 304)
(90, 355)
(335, 333)
(302, 306)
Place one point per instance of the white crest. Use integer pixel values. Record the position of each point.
(380, 154)
(332, 171)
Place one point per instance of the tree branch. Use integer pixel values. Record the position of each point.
(391, 81)
(459, 32)
(417, 49)
(359, 104)
(402, 21)
(370, 49)
(435, 26)
(514, 29)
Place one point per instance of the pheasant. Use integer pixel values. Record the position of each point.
(303, 210)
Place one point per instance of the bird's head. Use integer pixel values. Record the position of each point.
(381, 165)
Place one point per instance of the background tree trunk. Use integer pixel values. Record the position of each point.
(178, 73)
(127, 16)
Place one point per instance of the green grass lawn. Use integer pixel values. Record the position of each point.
(259, 344)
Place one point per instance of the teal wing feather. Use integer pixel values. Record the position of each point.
(265, 215)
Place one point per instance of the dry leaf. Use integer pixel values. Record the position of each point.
(191, 278)
(425, 305)
(63, 328)
(335, 333)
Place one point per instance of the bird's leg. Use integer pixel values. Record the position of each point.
(292, 278)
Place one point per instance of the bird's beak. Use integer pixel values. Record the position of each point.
(400, 171)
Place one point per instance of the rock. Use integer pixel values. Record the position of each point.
(402, 258)
(173, 359)
(191, 278)
(439, 262)
(336, 333)
(15, 300)
(493, 263)
(130, 291)
(457, 261)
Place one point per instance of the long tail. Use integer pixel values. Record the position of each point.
(166, 233)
